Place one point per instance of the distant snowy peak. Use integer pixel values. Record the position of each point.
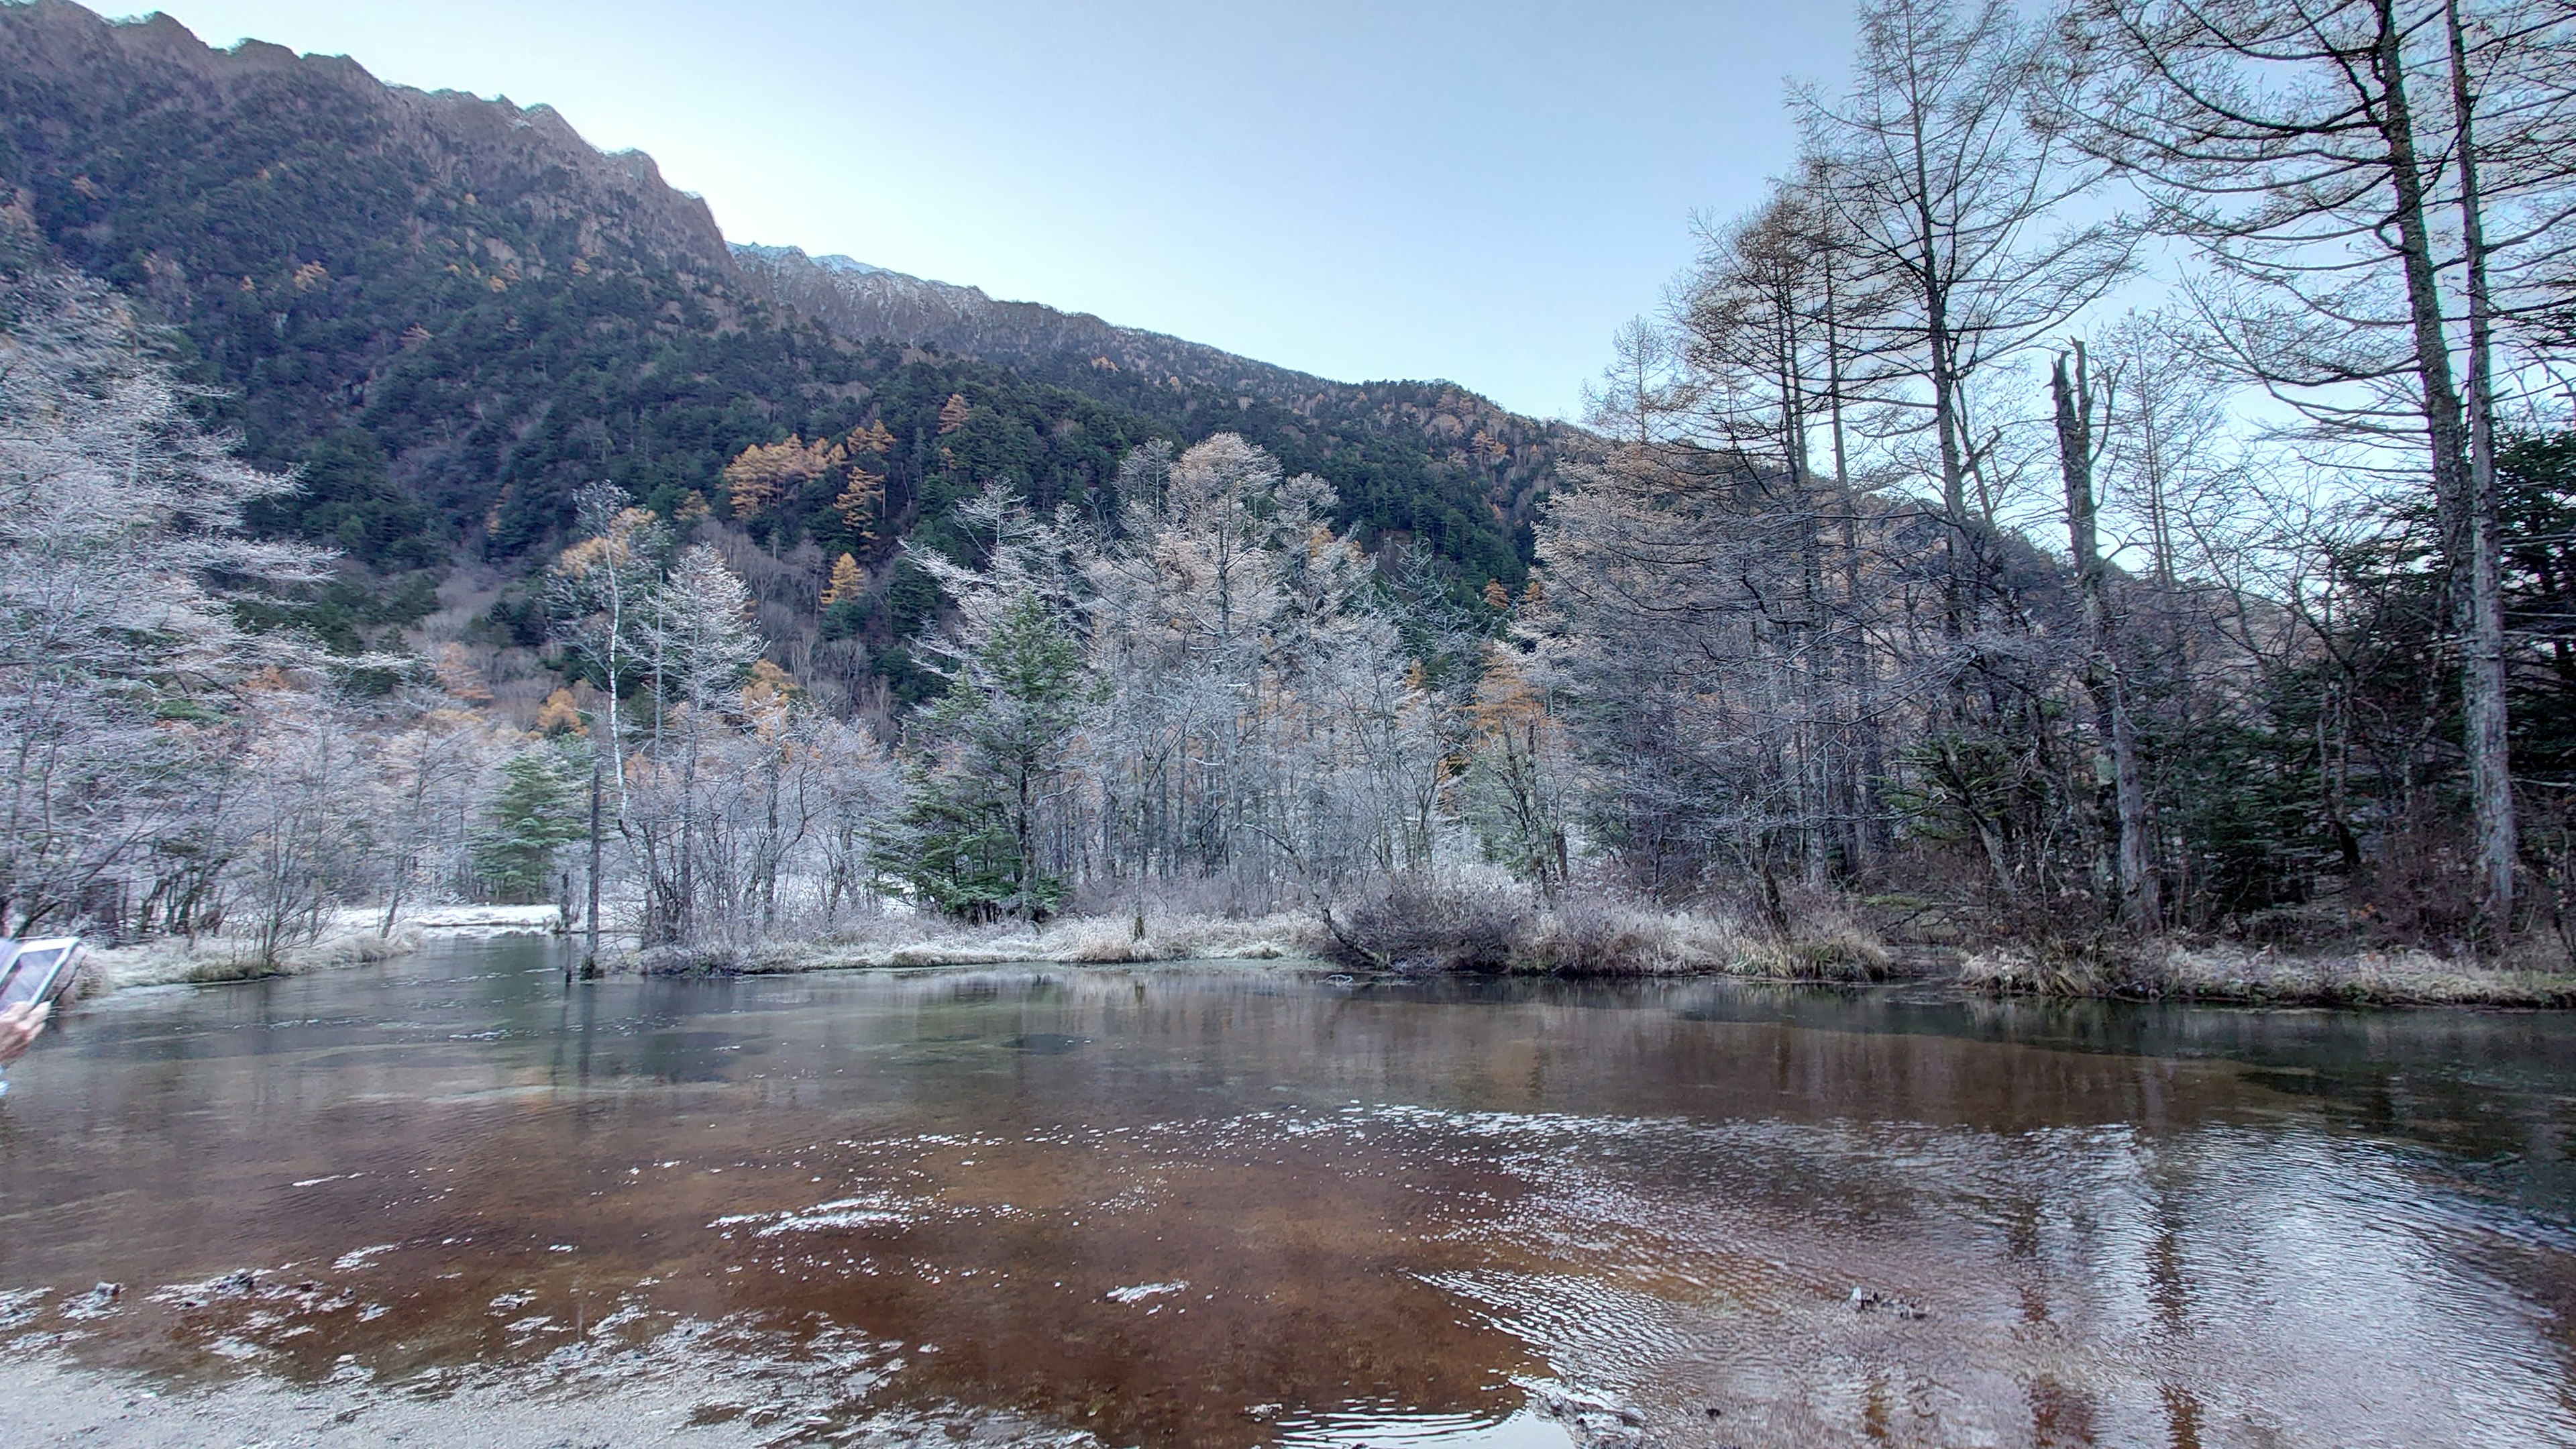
(852, 265)
(835, 263)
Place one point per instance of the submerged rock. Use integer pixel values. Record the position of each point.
(1865, 1301)
(1595, 1423)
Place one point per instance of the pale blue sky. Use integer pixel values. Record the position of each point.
(1481, 192)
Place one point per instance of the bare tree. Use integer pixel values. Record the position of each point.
(429, 768)
(2308, 153)
(120, 657)
(1940, 172)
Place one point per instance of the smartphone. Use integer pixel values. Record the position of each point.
(37, 970)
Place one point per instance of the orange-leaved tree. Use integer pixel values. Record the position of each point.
(860, 502)
(762, 475)
(848, 582)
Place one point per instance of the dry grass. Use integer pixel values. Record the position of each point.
(170, 960)
(1417, 923)
(1185, 938)
(900, 940)
(1443, 922)
(2227, 973)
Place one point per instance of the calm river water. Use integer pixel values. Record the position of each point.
(1220, 1207)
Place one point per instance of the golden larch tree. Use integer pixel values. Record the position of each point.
(848, 582)
(766, 698)
(859, 502)
(765, 473)
(560, 714)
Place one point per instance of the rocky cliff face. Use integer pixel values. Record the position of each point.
(94, 106)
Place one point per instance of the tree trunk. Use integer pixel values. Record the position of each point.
(2482, 681)
(590, 951)
(2133, 874)
(2481, 674)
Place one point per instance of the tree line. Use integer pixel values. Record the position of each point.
(2117, 481)
(2116, 477)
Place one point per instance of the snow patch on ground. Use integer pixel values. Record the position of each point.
(1140, 1292)
(351, 936)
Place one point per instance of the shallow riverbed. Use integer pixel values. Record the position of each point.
(455, 1200)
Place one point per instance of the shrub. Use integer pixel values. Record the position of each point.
(1432, 921)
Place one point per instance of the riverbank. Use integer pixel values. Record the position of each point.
(1405, 931)
(2233, 974)
(352, 936)
(907, 940)
(1446, 927)
(1402, 933)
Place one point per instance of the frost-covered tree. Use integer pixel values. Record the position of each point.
(1266, 724)
(993, 762)
(597, 594)
(697, 648)
(121, 663)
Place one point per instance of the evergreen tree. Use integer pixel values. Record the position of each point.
(996, 751)
(537, 811)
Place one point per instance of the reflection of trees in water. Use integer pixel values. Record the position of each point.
(1672, 1187)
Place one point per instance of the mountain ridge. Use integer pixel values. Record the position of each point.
(1512, 456)
(906, 308)
(450, 313)
(521, 153)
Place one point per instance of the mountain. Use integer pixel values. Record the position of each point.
(451, 312)
(1472, 455)
(453, 309)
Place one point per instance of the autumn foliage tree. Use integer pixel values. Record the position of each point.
(765, 474)
(849, 581)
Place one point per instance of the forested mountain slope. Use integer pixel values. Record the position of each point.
(1429, 457)
(452, 312)
(452, 308)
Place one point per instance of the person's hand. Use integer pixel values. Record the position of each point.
(18, 1027)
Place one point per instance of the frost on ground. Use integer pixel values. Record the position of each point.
(2236, 973)
(352, 936)
(167, 959)
(900, 940)
(53, 1404)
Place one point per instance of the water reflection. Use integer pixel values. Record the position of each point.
(1255, 1207)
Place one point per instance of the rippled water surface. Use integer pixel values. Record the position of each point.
(1220, 1207)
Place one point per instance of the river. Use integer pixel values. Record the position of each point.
(454, 1200)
